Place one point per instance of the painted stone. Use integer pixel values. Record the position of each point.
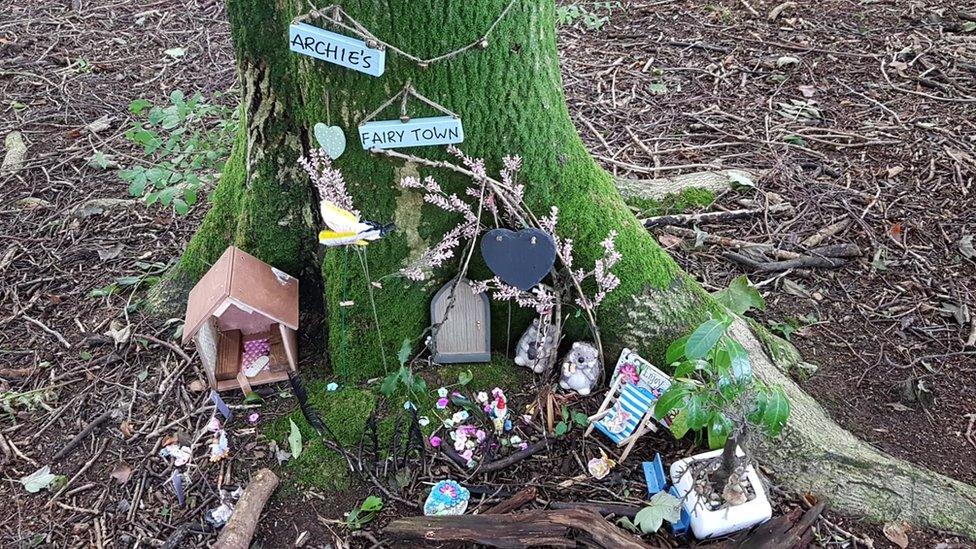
(521, 259)
(331, 139)
(337, 49)
(417, 132)
(447, 497)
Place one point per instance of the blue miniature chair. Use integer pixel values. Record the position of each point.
(625, 415)
(654, 476)
(681, 527)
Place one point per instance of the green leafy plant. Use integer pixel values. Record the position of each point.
(185, 143)
(715, 392)
(363, 514)
(593, 17)
(413, 384)
(576, 418)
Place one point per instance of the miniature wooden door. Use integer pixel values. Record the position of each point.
(465, 336)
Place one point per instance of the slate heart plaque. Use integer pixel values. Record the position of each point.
(521, 259)
(331, 139)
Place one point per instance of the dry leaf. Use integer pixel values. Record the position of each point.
(807, 91)
(126, 429)
(897, 534)
(122, 472)
(669, 240)
(169, 439)
(897, 232)
(198, 386)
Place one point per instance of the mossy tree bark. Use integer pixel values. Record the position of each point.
(511, 101)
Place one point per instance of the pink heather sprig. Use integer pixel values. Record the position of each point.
(328, 180)
(437, 255)
(539, 298)
(606, 281)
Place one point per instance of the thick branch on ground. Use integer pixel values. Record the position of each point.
(656, 189)
(240, 528)
(530, 529)
(817, 455)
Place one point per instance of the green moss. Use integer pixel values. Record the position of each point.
(687, 200)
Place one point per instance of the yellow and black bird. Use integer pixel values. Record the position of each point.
(345, 227)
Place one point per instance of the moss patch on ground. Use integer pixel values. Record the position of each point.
(348, 410)
(683, 202)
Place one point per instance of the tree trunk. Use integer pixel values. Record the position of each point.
(510, 99)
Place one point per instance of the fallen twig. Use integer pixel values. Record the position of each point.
(629, 511)
(519, 499)
(74, 442)
(51, 331)
(683, 220)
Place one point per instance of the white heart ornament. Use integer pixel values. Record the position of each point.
(331, 139)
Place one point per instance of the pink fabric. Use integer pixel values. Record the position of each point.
(254, 349)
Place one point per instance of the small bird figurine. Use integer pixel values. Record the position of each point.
(345, 227)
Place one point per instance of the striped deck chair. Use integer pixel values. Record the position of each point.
(625, 415)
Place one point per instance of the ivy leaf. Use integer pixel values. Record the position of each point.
(295, 439)
(372, 504)
(581, 419)
(561, 429)
(740, 296)
(465, 377)
(776, 412)
(704, 338)
(719, 429)
(39, 480)
(389, 384)
(663, 506)
(676, 350)
(404, 354)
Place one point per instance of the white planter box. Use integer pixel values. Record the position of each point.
(709, 524)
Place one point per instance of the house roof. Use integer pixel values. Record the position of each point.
(243, 280)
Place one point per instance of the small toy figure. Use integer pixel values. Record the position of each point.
(581, 368)
(534, 352)
(498, 410)
(600, 467)
(447, 497)
(617, 420)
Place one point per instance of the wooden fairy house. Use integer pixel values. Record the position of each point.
(465, 335)
(243, 317)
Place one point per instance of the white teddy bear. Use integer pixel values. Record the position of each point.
(581, 368)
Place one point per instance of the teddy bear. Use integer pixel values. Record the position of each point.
(532, 352)
(581, 368)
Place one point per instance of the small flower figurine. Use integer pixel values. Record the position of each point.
(442, 403)
(435, 441)
(447, 497)
(629, 373)
(442, 392)
(253, 418)
(332, 387)
(600, 467)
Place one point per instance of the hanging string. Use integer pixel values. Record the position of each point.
(376, 319)
(404, 95)
(335, 15)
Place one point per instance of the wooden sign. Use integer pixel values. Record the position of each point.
(337, 49)
(418, 132)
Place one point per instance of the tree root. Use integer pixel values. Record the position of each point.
(816, 455)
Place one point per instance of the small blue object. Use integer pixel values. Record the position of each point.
(633, 403)
(681, 527)
(221, 406)
(417, 132)
(337, 49)
(654, 475)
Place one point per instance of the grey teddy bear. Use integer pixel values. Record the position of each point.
(581, 368)
(533, 353)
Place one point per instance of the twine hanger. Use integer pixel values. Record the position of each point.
(335, 15)
(404, 95)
